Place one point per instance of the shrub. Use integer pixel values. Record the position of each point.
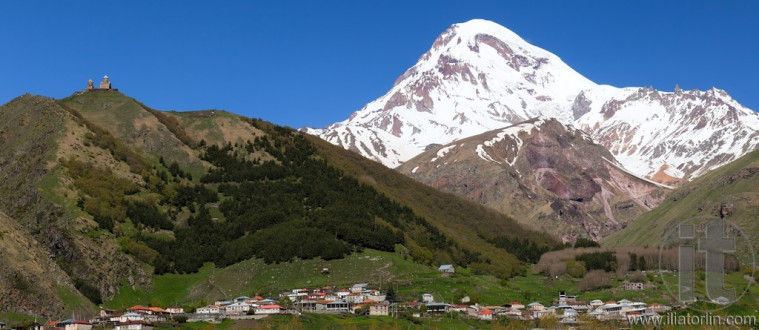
(575, 268)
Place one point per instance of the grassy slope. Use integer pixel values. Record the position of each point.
(701, 197)
(29, 277)
(29, 134)
(380, 269)
(127, 120)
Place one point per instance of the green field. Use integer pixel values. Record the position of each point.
(382, 270)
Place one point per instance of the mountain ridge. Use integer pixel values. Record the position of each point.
(478, 76)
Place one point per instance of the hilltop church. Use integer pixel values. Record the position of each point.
(105, 85)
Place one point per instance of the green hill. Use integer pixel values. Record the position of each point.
(731, 191)
(115, 192)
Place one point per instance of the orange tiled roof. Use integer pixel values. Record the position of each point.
(157, 309)
(137, 307)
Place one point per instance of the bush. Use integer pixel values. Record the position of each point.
(575, 268)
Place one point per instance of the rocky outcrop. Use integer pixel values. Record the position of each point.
(542, 173)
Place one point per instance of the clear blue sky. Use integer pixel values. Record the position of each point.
(313, 63)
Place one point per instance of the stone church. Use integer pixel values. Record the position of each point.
(105, 85)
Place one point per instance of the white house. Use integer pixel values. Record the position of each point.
(379, 309)
(343, 293)
(134, 325)
(446, 269)
(75, 325)
(515, 305)
(175, 310)
(359, 287)
(269, 309)
(128, 317)
(428, 298)
(210, 309)
(536, 306)
(355, 298)
(237, 308)
(485, 314)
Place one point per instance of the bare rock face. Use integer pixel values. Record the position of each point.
(542, 173)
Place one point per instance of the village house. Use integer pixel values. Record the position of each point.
(658, 308)
(485, 315)
(126, 317)
(269, 309)
(459, 308)
(579, 306)
(536, 306)
(306, 306)
(343, 293)
(569, 316)
(633, 286)
(359, 287)
(428, 298)
(437, 308)
(175, 310)
(134, 325)
(446, 269)
(151, 314)
(381, 309)
(338, 306)
(355, 298)
(515, 305)
(317, 295)
(238, 308)
(210, 309)
(473, 310)
(72, 324)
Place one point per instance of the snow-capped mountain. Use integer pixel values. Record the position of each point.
(480, 76)
(667, 137)
(476, 77)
